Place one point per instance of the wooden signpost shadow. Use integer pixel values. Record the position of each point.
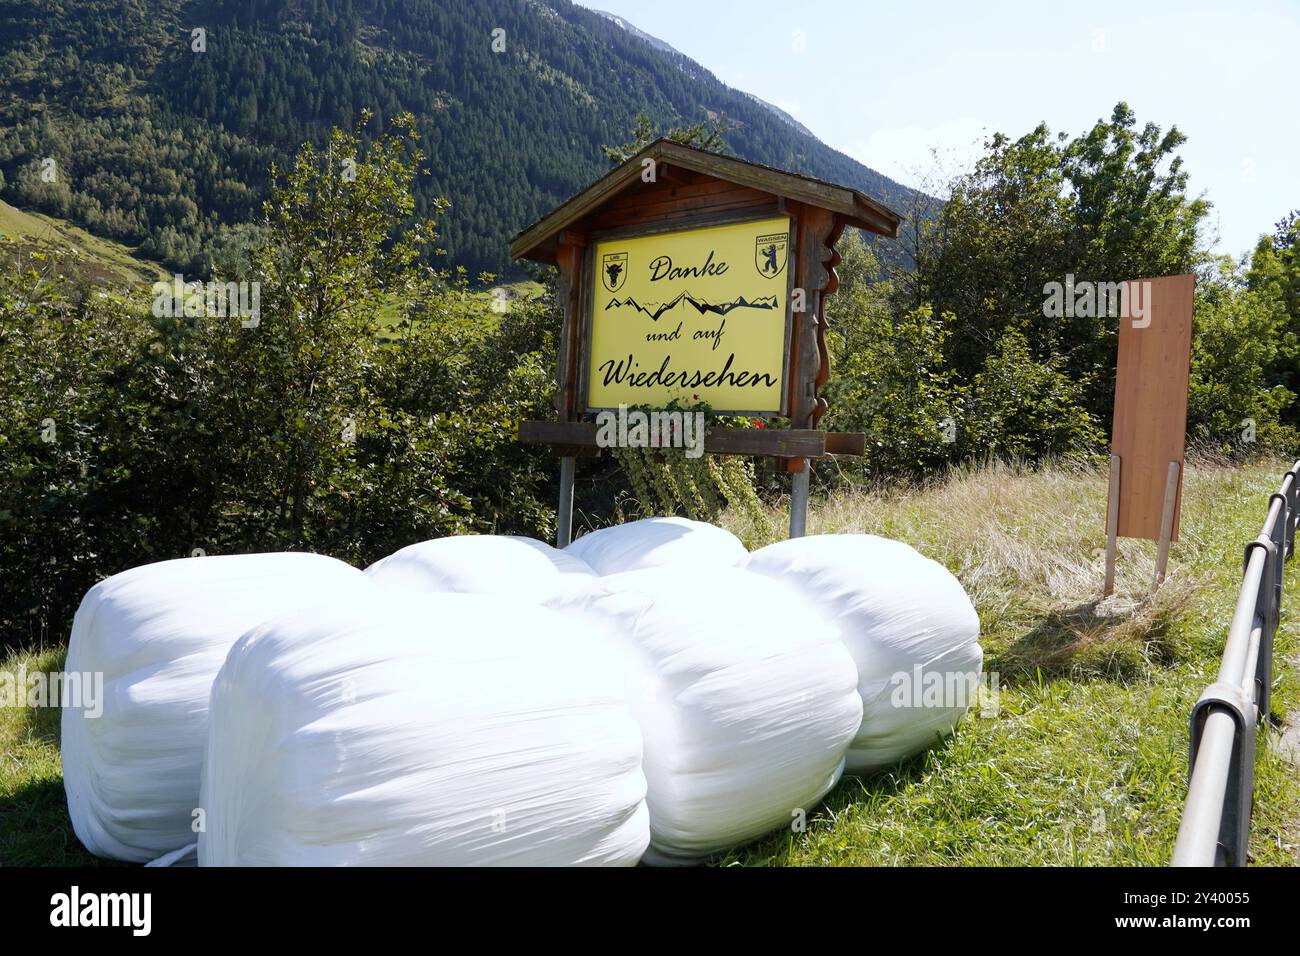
(1149, 431)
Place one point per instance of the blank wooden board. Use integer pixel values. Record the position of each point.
(1150, 425)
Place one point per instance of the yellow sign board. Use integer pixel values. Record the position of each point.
(699, 315)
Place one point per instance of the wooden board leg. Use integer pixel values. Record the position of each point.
(1166, 525)
(1112, 526)
(799, 482)
(564, 517)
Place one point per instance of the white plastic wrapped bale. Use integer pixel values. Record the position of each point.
(427, 730)
(658, 542)
(745, 696)
(158, 634)
(513, 566)
(909, 624)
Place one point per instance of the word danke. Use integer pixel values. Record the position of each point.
(663, 268)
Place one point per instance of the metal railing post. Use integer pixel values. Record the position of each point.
(1267, 612)
(1293, 513)
(1215, 827)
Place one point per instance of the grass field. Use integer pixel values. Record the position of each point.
(104, 261)
(1085, 759)
(390, 314)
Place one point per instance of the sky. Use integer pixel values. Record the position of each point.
(911, 88)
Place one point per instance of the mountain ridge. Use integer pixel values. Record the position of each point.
(165, 147)
(667, 47)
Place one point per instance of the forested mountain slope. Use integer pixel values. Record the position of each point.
(116, 115)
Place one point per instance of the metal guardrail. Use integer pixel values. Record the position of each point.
(1216, 819)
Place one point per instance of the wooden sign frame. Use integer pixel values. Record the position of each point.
(702, 221)
(1149, 429)
(689, 189)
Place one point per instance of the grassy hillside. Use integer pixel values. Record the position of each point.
(102, 260)
(113, 264)
(1084, 761)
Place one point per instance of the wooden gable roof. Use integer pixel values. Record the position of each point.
(537, 242)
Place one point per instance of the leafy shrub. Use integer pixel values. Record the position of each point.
(889, 378)
(374, 402)
(1235, 404)
(1024, 408)
(60, 344)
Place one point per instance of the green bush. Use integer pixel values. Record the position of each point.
(1236, 405)
(325, 424)
(889, 378)
(61, 344)
(892, 380)
(1025, 408)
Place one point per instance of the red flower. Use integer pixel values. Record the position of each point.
(759, 423)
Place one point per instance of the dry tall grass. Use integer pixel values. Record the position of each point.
(1029, 546)
(1085, 760)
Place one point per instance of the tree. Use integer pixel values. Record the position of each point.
(1234, 405)
(1274, 275)
(889, 378)
(340, 243)
(707, 134)
(1107, 206)
(364, 402)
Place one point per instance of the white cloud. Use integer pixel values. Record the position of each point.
(915, 155)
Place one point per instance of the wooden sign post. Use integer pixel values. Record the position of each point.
(690, 277)
(1150, 424)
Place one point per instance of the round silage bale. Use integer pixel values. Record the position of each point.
(155, 636)
(658, 542)
(909, 625)
(745, 696)
(432, 730)
(508, 565)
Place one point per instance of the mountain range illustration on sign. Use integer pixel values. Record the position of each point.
(656, 309)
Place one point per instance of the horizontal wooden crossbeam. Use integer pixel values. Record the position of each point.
(569, 437)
